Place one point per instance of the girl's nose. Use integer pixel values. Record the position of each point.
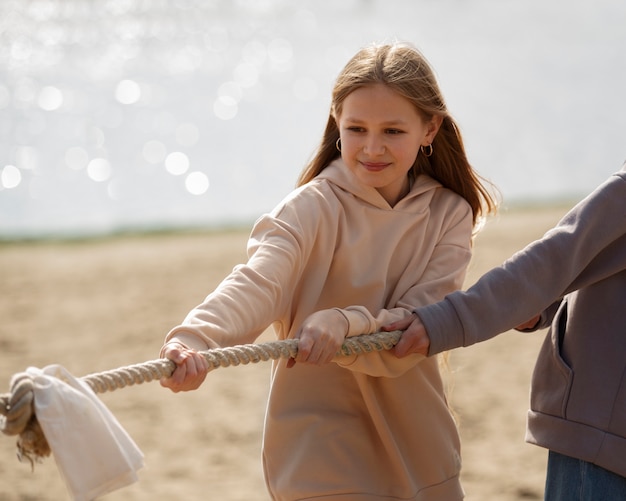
(374, 145)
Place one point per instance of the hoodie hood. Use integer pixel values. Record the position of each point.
(340, 175)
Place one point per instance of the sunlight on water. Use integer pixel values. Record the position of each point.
(50, 98)
(117, 113)
(197, 183)
(176, 163)
(99, 169)
(11, 176)
(128, 92)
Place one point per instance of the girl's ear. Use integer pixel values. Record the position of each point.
(433, 128)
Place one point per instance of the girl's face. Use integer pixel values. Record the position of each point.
(381, 134)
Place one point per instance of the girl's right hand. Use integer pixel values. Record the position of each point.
(320, 337)
(191, 368)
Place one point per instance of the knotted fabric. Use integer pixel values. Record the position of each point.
(93, 453)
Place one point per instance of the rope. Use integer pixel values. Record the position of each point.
(17, 416)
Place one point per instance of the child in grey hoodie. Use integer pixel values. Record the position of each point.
(574, 281)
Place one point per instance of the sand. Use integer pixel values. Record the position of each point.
(101, 304)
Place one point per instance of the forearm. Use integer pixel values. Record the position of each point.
(578, 251)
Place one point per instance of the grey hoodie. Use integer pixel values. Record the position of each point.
(576, 276)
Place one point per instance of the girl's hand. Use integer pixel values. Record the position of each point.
(320, 337)
(191, 368)
(413, 340)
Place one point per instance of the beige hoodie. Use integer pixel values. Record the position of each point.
(366, 427)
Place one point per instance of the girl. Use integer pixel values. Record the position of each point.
(381, 223)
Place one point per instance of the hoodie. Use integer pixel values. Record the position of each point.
(368, 426)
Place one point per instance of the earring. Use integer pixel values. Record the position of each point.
(338, 144)
(428, 152)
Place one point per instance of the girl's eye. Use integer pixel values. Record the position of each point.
(354, 128)
(393, 131)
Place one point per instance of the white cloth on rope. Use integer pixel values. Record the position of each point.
(93, 452)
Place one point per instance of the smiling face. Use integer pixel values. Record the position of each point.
(381, 134)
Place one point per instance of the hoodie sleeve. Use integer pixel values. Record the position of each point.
(586, 246)
(254, 294)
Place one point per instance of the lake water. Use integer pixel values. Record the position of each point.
(126, 114)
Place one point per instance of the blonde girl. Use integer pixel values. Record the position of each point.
(381, 222)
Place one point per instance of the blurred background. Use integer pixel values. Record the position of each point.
(132, 115)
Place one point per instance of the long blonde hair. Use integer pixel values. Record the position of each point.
(404, 69)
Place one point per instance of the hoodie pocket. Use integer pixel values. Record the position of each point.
(552, 377)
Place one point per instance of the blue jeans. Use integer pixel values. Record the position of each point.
(570, 479)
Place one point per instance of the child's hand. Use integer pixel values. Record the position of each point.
(413, 340)
(320, 337)
(191, 368)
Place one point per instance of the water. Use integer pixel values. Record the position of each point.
(125, 114)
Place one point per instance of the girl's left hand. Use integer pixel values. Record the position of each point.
(191, 368)
(320, 337)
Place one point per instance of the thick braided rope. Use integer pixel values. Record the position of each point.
(17, 416)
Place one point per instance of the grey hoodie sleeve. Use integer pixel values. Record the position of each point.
(588, 244)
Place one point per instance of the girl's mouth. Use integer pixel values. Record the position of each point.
(374, 166)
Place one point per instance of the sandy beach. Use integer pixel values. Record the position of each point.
(100, 304)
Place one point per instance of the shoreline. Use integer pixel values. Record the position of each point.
(225, 227)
